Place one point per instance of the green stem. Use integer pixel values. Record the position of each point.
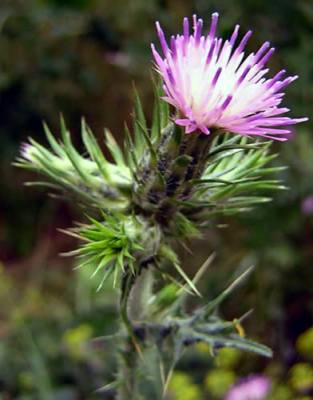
(127, 371)
(135, 291)
(127, 356)
(128, 281)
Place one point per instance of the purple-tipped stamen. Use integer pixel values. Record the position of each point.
(216, 77)
(173, 47)
(261, 51)
(211, 51)
(186, 29)
(198, 31)
(243, 42)
(276, 78)
(266, 57)
(234, 36)
(162, 38)
(243, 75)
(213, 25)
(226, 102)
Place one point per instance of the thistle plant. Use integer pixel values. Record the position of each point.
(205, 154)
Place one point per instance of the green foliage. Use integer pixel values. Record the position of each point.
(96, 182)
(236, 175)
(173, 330)
(205, 326)
(46, 336)
(110, 246)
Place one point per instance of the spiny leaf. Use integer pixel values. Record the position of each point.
(148, 141)
(231, 341)
(57, 148)
(211, 307)
(110, 386)
(72, 154)
(169, 254)
(156, 116)
(186, 278)
(114, 148)
(106, 275)
(108, 245)
(105, 260)
(130, 152)
(94, 150)
(139, 120)
(182, 294)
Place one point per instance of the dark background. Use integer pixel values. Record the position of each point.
(81, 58)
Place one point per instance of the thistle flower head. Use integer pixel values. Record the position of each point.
(213, 84)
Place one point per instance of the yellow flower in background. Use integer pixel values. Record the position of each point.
(228, 358)
(304, 344)
(218, 381)
(182, 388)
(75, 340)
(281, 392)
(301, 377)
(203, 348)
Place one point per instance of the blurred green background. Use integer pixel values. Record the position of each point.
(81, 58)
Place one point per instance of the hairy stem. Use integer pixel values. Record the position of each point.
(127, 356)
(127, 371)
(136, 289)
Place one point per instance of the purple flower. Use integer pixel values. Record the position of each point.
(213, 85)
(307, 205)
(255, 387)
